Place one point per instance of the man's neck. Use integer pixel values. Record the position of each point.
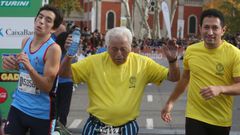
(39, 40)
(213, 46)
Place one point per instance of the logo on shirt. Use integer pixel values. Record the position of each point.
(132, 82)
(3, 95)
(219, 69)
(36, 61)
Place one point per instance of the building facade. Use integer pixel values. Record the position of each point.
(106, 14)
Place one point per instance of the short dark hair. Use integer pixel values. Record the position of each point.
(212, 13)
(58, 15)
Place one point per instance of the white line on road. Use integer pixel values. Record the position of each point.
(75, 123)
(149, 84)
(149, 123)
(149, 98)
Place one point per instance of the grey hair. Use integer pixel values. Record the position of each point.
(118, 32)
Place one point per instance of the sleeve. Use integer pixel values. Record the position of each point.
(156, 73)
(81, 70)
(236, 64)
(186, 59)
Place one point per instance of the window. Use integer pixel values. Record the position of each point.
(192, 25)
(110, 20)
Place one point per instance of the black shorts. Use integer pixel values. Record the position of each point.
(19, 123)
(195, 127)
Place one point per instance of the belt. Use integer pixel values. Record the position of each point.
(95, 120)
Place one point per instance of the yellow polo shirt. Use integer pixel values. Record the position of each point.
(115, 91)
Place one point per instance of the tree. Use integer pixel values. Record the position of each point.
(231, 11)
(128, 15)
(67, 6)
(143, 10)
(156, 25)
(174, 7)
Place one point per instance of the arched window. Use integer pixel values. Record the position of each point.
(192, 25)
(110, 20)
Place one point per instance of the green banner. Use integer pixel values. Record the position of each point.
(19, 8)
(8, 83)
(22, 12)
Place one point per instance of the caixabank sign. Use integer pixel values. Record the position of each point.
(12, 34)
(16, 22)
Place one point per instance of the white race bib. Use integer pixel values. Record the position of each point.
(25, 84)
(109, 130)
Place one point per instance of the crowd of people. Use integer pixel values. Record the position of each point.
(94, 42)
(117, 72)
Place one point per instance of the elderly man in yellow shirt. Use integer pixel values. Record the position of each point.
(116, 80)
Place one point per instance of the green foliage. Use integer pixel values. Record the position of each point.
(67, 6)
(232, 15)
(231, 11)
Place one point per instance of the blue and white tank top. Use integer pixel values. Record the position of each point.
(28, 98)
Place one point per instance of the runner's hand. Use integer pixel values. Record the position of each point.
(72, 48)
(166, 113)
(171, 50)
(210, 92)
(23, 60)
(9, 62)
(68, 42)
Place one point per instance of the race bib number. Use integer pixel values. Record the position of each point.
(26, 84)
(109, 130)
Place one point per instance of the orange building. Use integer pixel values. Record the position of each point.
(106, 14)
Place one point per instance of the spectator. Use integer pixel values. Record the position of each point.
(65, 85)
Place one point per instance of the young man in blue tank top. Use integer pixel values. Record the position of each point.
(38, 65)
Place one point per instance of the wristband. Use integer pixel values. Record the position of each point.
(172, 61)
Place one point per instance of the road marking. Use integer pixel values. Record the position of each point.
(75, 123)
(149, 84)
(149, 123)
(149, 98)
